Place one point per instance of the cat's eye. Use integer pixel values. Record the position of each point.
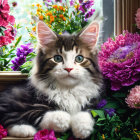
(58, 58)
(79, 58)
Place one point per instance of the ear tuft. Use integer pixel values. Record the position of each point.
(90, 34)
(44, 34)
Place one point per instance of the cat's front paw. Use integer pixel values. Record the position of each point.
(82, 125)
(57, 120)
(22, 130)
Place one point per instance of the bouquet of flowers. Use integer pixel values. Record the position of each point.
(64, 16)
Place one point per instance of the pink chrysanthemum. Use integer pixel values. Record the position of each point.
(45, 135)
(133, 99)
(137, 18)
(119, 60)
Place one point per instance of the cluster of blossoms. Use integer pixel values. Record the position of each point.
(6, 22)
(86, 8)
(133, 99)
(137, 18)
(3, 132)
(109, 111)
(45, 135)
(119, 60)
(22, 52)
(63, 16)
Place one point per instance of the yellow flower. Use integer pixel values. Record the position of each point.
(38, 13)
(103, 136)
(38, 5)
(33, 5)
(50, 26)
(64, 9)
(34, 28)
(76, 6)
(31, 35)
(41, 17)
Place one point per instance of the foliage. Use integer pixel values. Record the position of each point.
(124, 125)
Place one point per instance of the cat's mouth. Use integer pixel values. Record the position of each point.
(69, 76)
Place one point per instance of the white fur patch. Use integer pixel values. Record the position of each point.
(22, 130)
(56, 120)
(82, 125)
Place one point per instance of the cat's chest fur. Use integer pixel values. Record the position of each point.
(74, 99)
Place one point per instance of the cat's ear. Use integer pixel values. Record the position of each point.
(90, 34)
(44, 34)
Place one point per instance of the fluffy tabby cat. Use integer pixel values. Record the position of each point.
(64, 84)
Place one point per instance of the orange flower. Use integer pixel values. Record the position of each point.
(38, 10)
(38, 5)
(61, 16)
(61, 7)
(103, 136)
(55, 6)
(49, 14)
(41, 17)
(34, 28)
(51, 18)
(64, 18)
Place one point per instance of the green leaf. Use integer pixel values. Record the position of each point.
(94, 114)
(119, 95)
(30, 56)
(26, 67)
(126, 139)
(111, 104)
(100, 113)
(18, 40)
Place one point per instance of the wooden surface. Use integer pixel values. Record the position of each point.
(7, 78)
(14, 138)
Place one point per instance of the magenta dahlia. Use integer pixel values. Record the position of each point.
(133, 99)
(119, 60)
(45, 135)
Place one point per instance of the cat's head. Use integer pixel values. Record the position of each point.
(66, 59)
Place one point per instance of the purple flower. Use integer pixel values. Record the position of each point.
(22, 52)
(71, 2)
(45, 135)
(119, 60)
(86, 5)
(110, 111)
(89, 14)
(101, 104)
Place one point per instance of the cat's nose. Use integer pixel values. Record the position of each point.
(68, 69)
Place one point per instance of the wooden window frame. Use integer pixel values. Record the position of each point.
(124, 16)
